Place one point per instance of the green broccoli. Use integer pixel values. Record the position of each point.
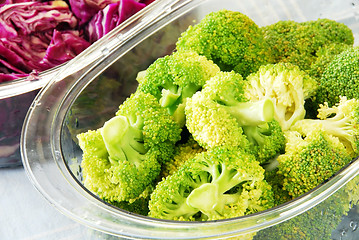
(138, 205)
(267, 140)
(174, 78)
(123, 158)
(341, 121)
(287, 85)
(275, 180)
(215, 115)
(217, 128)
(298, 42)
(340, 78)
(324, 56)
(182, 153)
(216, 184)
(310, 160)
(231, 39)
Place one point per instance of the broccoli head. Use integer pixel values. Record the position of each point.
(231, 39)
(324, 56)
(298, 42)
(182, 153)
(340, 78)
(275, 180)
(287, 86)
(174, 78)
(267, 140)
(216, 114)
(138, 205)
(217, 184)
(340, 120)
(123, 158)
(310, 160)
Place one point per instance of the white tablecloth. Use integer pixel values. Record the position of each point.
(26, 215)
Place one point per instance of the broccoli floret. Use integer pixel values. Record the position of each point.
(275, 180)
(287, 86)
(121, 159)
(298, 42)
(340, 78)
(324, 56)
(310, 160)
(341, 121)
(182, 153)
(267, 140)
(138, 205)
(231, 39)
(174, 78)
(217, 184)
(215, 115)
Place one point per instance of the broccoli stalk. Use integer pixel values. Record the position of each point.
(341, 121)
(173, 93)
(249, 113)
(214, 196)
(123, 141)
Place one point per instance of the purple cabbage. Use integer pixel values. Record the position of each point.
(21, 19)
(37, 36)
(84, 10)
(110, 17)
(64, 46)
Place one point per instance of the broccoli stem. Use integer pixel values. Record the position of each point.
(254, 134)
(271, 165)
(189, 89)
(252, 113)
(168, 98)
(174, 95)
(338, 126)
(122, 140)
(214, 195)
(204, 198)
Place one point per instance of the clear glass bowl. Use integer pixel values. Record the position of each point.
(88, 91)
(15, 98)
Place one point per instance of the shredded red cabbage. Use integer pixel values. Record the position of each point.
(37, 35)
(110, 17)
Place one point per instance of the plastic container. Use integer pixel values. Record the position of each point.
(96, 86)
